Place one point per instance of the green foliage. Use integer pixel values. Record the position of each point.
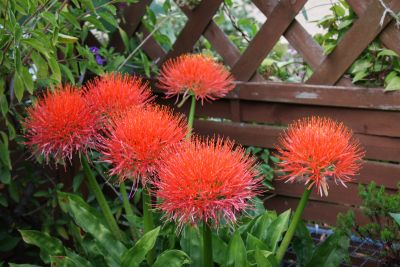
(265, 164)
(382, 209)
(376, 66)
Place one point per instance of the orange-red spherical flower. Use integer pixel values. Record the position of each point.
(137, 138)
(114, 93)
(60, 124)
(206, 180)
(195, 74)
(315, 150)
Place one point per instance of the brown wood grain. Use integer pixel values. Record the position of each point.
(150, 46)
(377, 147)
(339, 96)
(316, 211)
(353, 43)
(266, 38)
(201, 16)
(390, 36)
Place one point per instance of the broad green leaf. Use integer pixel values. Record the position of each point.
(396, 217)
(276, 230)
(332, 252)
(394, 84)
(4, 152)
(260, 228)
(191, 242)
(237, 256)
(220, 250)
(67, 73)
(253, 243)
(62, 261)
(135, 255)
(302, 244)
(91, 222)
(8, 242)
(18, 86)
(5, 176)
(265, 259)
(172, 258)
(49, 246)
(124, 37)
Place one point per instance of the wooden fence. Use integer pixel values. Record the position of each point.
(257, 110)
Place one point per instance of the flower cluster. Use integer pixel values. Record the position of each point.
(315, 150)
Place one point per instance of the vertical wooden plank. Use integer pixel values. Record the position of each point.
(266, 38)
(363, 32)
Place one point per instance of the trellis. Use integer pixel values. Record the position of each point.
(370, 112)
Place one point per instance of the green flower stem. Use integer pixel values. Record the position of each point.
(207, 246)
(293, 225)
(191, 116)
(128, 211)
(148, 221)
(96, 190)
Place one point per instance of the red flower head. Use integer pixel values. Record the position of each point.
(196, 74)
(114, 93)
(317, 149)
(137, 138)
(60, 124)
(206, 181)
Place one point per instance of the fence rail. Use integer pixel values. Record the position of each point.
(257, 110)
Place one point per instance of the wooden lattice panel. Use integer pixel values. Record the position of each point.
(372, 114)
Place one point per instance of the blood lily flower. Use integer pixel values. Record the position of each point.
(60, 124)
(114, 93)
(137, 138)
(315, 150)
(195, 74)
(206, 180)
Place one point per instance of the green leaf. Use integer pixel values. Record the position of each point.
(68, 73)
(253, 243)
(237, 256)
(41, 65)
(37, 45)
(27, 78)
(394, 84)
(265, 259)
(124, 37)
(191, 242)
(18, 86)
(396, 217)
(55, 69)
(3, 104)
(5, 177)
(3, 200)
(62, 261)
(22, 265)
(67, 39)
(276, 230)
(81, 262)
(387, 52)
(220, 250)
(260, 228)
(172, 258)
(332, 252)
(4, 153)
(302, 244)
(91, 222)
(135, 255)
(49, 246)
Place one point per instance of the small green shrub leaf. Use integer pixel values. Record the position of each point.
(172, 258)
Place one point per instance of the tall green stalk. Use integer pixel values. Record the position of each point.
(191, 115)
(128, 211)
(207, 246)
(293, 225)
(96, 190)
(148, 221)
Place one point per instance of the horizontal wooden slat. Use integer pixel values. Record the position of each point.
(315, 211)
(338, 96)
(377, 148)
